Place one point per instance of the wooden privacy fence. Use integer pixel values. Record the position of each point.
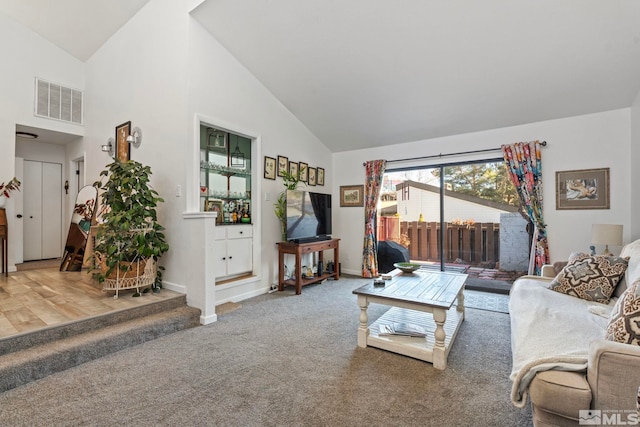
(474, 243)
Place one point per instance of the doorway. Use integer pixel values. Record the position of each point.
(462, 217)
(42, 210)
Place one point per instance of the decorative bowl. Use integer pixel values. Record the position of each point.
(406, 267)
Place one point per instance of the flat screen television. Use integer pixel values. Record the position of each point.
(308, 216)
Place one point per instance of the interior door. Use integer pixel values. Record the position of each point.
(51, 210)
(32, 206)
(42, 210)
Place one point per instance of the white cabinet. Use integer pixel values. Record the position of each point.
(234, 250)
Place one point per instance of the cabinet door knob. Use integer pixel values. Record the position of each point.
(19, 215)
(230, 257)
(241, 232)
(223, 258)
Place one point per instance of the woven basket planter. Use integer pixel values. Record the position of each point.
(129, 275)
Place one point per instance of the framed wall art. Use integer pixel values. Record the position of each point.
(320, 176)
(312, 176)
(123, 149)
(582, 189)
(283, 165)
(304, 172)
(351, 195)
(269, 167)
(293, 169)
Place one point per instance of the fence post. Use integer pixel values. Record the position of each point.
(491, 241)
(433, 241)
(423, 249)
(466, 243)
(413, 238)
(455, 241)
(477, 243)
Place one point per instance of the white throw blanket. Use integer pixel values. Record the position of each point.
(549, 330)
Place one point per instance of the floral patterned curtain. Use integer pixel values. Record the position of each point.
(524, 163)
(375, 171)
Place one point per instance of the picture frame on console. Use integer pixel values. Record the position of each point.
(351, 195)
(582, 189)
(215, 206)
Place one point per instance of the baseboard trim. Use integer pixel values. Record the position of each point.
(246, 295)
(206, 320)
(174, 287)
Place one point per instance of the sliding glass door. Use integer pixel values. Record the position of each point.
(454, 217)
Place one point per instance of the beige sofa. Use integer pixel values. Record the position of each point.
(591, 373)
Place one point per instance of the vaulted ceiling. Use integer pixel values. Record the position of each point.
(362, 73)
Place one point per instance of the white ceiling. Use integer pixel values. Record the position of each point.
(78, 26)
(362, 73)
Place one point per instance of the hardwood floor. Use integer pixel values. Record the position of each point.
(35, 298)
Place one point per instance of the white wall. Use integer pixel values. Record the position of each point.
(222, 92)
(591, 141)
(178, 75)
(634, 159)
(25, 56)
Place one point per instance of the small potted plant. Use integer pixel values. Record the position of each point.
(290, 182)
(6, 188)
(129, 236)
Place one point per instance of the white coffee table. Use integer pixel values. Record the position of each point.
(425, 298)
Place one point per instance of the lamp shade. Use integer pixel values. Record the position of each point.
(606, 234)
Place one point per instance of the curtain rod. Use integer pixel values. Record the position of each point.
(543, 143)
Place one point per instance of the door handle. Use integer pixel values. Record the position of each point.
(19, 216)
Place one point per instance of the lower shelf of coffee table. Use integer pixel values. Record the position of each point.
(418, 348)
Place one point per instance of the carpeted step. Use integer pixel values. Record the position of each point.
(21, 367)
(65, 330)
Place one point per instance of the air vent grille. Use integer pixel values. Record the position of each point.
(57, 102)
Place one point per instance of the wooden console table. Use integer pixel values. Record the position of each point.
(4, 241)
(299, 249)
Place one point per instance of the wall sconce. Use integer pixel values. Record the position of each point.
(606, 234)
(135, 137)
(109, 147)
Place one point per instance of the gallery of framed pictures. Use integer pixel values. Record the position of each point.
(582, 189)
(274, 167)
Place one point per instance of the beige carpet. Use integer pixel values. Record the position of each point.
(282, 360)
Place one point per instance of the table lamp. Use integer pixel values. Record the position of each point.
(606, 234)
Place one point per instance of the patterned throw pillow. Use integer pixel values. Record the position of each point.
(590, 277)
(624, 321)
